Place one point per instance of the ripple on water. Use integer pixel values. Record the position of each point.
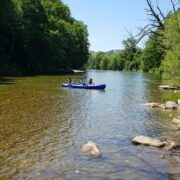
(43, 126)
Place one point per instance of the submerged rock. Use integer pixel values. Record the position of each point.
(90, 148)
(148, 141)
(177, 127)
(162, 156)
(176, 120)
(170, 145)
(77, 171)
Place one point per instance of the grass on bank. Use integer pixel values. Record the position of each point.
(173, 97)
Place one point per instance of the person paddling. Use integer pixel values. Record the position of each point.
(91, 81)
(69, 81)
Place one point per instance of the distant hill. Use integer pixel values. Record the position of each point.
(109, 53)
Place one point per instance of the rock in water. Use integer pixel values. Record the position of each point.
(178, 127)
(171, 145)
(152, 104)
(171, 105)
(167, 87)
(176, 120)
(162, 106)
(91, 148)
(148, 141)
(178, 101)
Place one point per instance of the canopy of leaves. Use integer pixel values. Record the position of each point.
(40, 37)
(126, 59)
(171, 62)
(152, 54)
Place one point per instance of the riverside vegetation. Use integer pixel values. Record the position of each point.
(160, 55)
(40, 37)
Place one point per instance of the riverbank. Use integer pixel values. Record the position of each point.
(173, 97)
(22, 72)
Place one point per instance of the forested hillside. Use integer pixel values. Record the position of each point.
(40, 37)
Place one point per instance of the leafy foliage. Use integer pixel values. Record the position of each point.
(152, 54)
(40, 37)
(126, 59)
(161, 53)
(171, 62)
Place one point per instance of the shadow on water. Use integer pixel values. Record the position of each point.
(5, 80)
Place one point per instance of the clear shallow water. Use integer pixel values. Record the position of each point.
(43, 126)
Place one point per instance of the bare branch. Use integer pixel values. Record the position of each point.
(174, 9)
(151, 9)
(141, 37)
(156, 19)
(162, 15)
(129, 33)
(143, 30)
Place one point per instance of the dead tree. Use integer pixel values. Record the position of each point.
(156, 20)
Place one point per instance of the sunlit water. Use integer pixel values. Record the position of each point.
(43, 126)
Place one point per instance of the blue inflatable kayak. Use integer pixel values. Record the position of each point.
(81, 86)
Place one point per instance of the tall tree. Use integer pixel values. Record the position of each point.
(152, 54)
(156, 18)
(171, 40)
(8, 28)
(35, 22)
(39, 37)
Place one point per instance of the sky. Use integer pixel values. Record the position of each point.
(110, 21)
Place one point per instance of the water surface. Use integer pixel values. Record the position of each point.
(43, 126)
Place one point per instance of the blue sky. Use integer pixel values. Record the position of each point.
(109, 20)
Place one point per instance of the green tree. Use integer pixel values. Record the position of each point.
(171, 40)
(69, 36)
(130, 54)
(8, 26)
(91, 60)
(104, 62)
(40, 37)
(130, 44)
(152, 54)
(35, 23)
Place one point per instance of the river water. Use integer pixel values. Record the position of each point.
(43, 126)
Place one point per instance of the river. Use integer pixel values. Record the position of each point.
(43, 126)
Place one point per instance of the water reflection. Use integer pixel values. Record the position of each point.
(42, 127)
(6, 80)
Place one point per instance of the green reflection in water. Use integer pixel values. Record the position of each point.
(42, 127)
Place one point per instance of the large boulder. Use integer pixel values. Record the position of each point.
(146, 140)
(171, 105)
(90, 148)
